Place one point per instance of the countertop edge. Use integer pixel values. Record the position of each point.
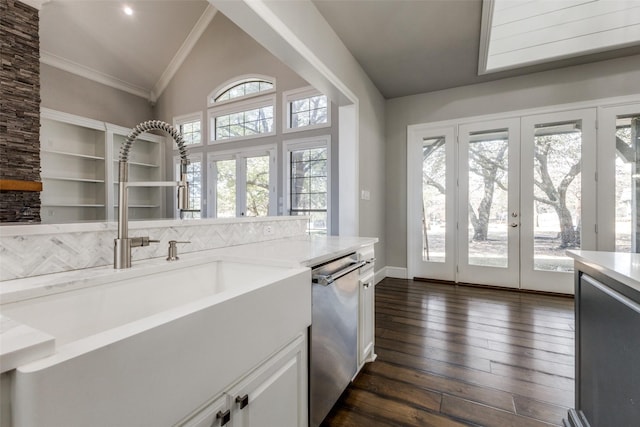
(623, 267)
(22, 344)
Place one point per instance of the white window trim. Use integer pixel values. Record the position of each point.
(295, 94)
(186, 118)
(193, 158)
(236, 107)
(301, 144)
(239, 154)
(236, 81)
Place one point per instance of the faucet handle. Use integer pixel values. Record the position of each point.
(137, 242)
(173, 250)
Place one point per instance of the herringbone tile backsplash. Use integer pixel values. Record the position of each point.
(60, 248)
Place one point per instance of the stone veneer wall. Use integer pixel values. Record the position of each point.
(19, 109)
(34, 250)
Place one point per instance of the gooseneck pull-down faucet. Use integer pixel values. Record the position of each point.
(124, 243)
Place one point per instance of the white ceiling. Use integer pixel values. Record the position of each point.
(98, 40)
(405, 46)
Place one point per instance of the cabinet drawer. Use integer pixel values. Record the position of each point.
(208, 415)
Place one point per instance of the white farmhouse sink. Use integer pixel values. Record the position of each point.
(71, 316)
(147, 350)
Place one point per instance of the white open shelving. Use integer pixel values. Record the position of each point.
(146, 158)
(79, 158)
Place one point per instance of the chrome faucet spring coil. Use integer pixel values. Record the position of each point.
(152, 125)
(123, 243)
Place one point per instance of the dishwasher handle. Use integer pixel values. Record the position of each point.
(327, 279)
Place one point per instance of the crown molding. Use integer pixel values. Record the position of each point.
(91, 74)
(36, 4)
(182, 53)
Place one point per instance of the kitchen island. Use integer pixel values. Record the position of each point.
(607, 307)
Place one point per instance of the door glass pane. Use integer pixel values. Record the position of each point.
(434, 173)
(557, 193)
(225, 188)
(488, 198)
(257, 186)
(627, 183)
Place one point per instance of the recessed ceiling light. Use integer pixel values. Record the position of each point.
(127, 10)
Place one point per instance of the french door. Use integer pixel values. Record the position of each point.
(431, 211)
(558, 202)
(242, 183)
(519, 192)
(619, 164)
(488, 203)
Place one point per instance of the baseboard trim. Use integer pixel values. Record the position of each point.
(396, 272)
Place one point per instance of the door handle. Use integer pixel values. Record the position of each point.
(513, 224)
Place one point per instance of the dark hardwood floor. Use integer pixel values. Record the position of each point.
(458, 356)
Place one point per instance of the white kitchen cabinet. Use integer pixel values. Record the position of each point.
(366, 308)
(272, 394)
(366, 320)
(214, 413)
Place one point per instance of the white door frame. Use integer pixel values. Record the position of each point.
(603, 189)
(606, 161)
(551, 281)
(498, 276)
(417, 266)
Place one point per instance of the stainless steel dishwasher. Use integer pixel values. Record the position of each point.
(333, 355)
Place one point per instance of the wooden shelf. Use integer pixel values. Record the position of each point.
(16, 185)
(69, 154)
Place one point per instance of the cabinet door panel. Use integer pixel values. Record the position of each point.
(276, 391)
(366, 319)
(208, 416)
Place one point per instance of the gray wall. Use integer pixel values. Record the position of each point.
(64, 91)
(222, 53)
(617, 77)
(313, 49)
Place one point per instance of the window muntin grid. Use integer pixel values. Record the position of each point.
(244, 89)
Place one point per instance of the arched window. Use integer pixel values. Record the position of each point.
(243, 89)
(242, 108)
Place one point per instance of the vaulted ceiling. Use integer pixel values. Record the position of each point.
(416, 46)
(405, 46)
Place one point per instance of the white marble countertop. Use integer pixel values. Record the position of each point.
(20, 343)
(307, 251)
(623, 267)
